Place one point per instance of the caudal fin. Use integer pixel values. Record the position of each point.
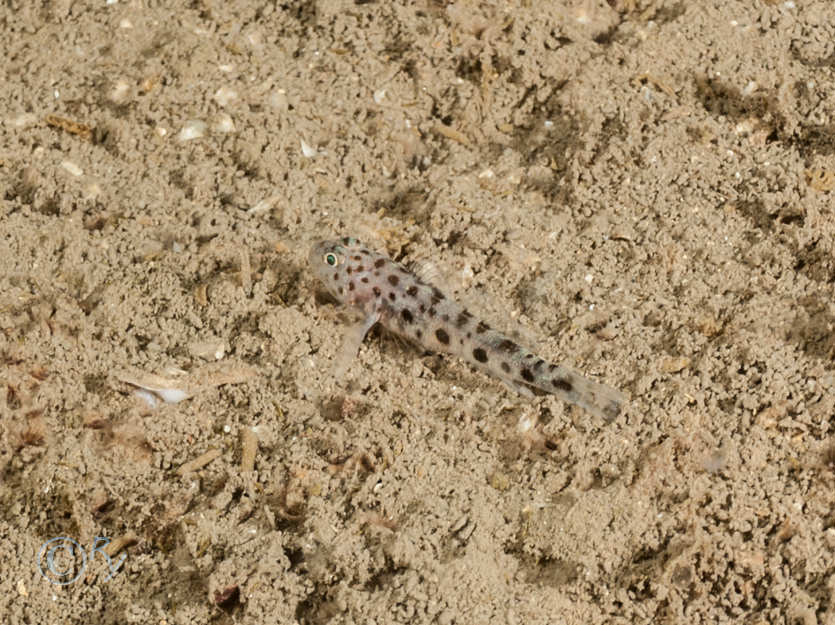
(598, 399)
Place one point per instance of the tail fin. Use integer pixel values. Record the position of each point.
(598, 399)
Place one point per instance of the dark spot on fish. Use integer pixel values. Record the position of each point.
(376, 273)
(336, 276)
(481, 328)
(437, 293)
(341, 291)
(505, 367)
(377, 291)
(419, 333)
(526, 374)
(479, 354)
(422, 308)
(432, 311)
(392, 296)
(348, 270)
(393, 280)
(527, 356)
(412, 291)
(538, 364)
(359, 268)
(508, 346)
(441, 335)
(445, 317)
(346, 240)
(469, 334)
(552, 367)
(407, 315)
(351, 285)
(364, 279)
(436, 299)
(562, 384)
(462, 319)
(379, 262)
(357, 257)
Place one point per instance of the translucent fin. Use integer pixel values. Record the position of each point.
(595, 398)
(428, 272)
(351, 342)
(598, 399)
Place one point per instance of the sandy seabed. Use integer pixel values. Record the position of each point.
(640, 189)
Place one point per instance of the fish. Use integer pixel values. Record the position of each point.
(387, 292)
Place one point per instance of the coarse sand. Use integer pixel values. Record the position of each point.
(640, 189)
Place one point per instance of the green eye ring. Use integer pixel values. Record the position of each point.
(331, 259)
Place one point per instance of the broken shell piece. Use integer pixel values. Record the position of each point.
(223, 123)
(91, 190)
(22, 120)
(308, 151)
(121, 543)
(193, 129)
(224, 96)
(151, 400)
(120, 91)
(72, 168)
(208, 350)
(199, 462)
(264, 205)
(151, 387)
(674, 365)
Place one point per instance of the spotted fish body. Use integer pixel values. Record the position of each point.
(388, 293)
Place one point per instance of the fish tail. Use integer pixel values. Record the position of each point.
(599, 399)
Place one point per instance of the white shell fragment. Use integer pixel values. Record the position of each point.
(91, 190)
(308, 151)
(72, 168)
(193, 129)
(224, 96)
(22, 120)
(223, 123)
(120, 91)
(265, 204)
(174, 389)
(208, 350)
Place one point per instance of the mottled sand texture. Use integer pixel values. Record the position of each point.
(641, 190)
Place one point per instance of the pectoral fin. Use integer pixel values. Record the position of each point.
(351, 342)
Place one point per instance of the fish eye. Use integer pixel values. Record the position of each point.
(331, 259)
